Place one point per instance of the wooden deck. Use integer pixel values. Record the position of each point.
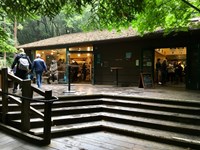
(91, 141)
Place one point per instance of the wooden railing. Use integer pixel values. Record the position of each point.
(24, 103)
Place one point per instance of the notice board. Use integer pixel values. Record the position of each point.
(146, 80)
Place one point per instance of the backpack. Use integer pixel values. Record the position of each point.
(23, 64)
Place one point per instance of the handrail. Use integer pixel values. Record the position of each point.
(20, 81)
(26, 98)
(38, 113)
(31, 99)
(14, 78)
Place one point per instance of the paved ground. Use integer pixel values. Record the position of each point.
(162, 92)
(174, 92)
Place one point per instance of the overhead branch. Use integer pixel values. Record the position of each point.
(186, 2)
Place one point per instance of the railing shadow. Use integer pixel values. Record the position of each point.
(23, 102)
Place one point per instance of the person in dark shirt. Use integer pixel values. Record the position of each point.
(84, 71)
(39, 66)
(164, 72)
(158, 71)
(22, 74)
(74, 71)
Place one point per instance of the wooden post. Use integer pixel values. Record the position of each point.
(69, 78)
(25, 107)
(47, 117)
(4, 79)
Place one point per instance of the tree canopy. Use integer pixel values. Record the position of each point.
(142, 15)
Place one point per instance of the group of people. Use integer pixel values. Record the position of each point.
(38, 66)
(76, 73)
(169, 71)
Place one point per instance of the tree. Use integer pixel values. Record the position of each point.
(45, 27)
(143, 15)
(63, 23)
(25, 9)
(42, 28)
(169, 15)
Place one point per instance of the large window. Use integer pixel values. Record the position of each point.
(49, 55)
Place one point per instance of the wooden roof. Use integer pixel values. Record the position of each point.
(81, 37)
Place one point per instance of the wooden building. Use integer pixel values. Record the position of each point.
(105, 51)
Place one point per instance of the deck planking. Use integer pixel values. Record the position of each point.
(91, 141)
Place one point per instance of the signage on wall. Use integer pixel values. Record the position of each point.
(146, 80)
(128, 55)
(137, 62)
(98, 58)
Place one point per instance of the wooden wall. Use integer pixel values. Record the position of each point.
(123, 55)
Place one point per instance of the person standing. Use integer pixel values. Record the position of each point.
(39, 66)
(171, 72)
(74, 70)
(158, 71)
(84, 71)
(164, 72)
(53, 71)
(19, 71)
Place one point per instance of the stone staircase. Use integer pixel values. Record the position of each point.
(173, 122)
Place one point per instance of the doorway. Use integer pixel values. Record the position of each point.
(174, 72)
(83, 57)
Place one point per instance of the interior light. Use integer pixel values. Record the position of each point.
(88, 54)
(79, 55)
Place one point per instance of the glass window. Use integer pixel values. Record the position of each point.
(81, 48)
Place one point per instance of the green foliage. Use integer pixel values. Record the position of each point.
(5, 42)
(3, 34)
(142, 15)
(44, 27)
(5, 47)
(170, 15)
(114, 14)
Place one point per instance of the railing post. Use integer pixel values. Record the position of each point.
(25, 107)
(47, 117)
(4, 79)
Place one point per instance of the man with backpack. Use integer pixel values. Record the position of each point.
(23, 65)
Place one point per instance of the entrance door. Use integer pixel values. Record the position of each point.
(193, 69)
(83, 73)
(174, 74)
(147, 61)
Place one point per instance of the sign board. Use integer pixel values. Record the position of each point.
(146, 80)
